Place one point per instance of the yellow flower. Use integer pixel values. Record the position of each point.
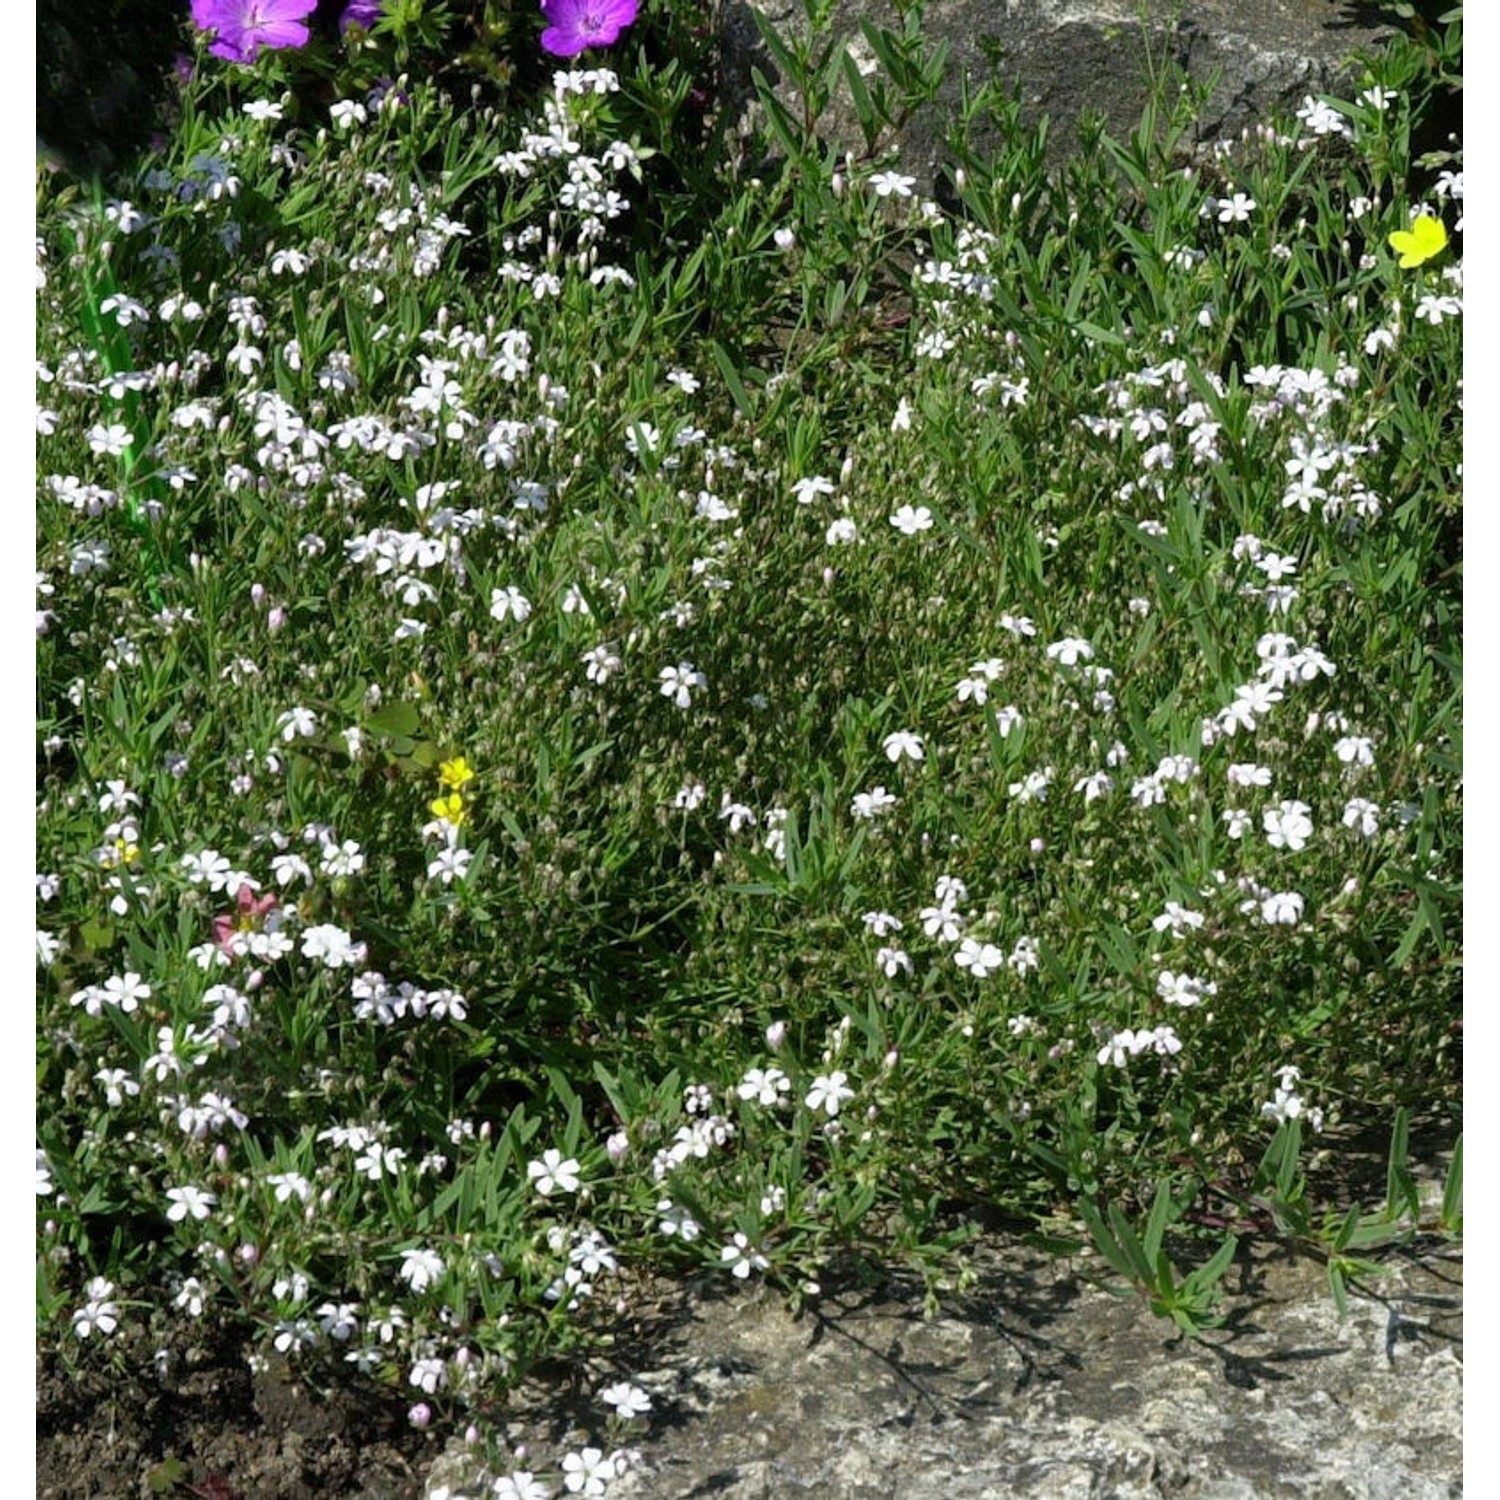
(1426, 238)
(455, 773)
(450, 808)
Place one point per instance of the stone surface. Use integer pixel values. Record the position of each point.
(1038, 1382)
(1069, 55)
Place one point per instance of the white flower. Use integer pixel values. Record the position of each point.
(98, 1313)
(765, 1087)
(297, 722)
(909, 520)
(450, 864)
(587, 1472)
(1234, 210)
(334, 947)
(1177, 917)
(552, 1172)
(420, 1268)
(903, 742)
(627, 1400)
(868, 805)
(509, 603)
(891, 961)
(126, 992)
(828, 1093)
(881, 923)
(347, 113)
(742, 1257)
(942, 922)
(678, 1221)
(1288, 826)
(807, 490)
(429, 1375)
(980, 959)
(519, 1484)
(342, 859)
(601, 663)
(1282, 908)
(289, 1185)
(1355, 750)
(1361, 813)
(1070, 650)
(1183, 989)
(886, 183)
(187, 1201)
(677, 683)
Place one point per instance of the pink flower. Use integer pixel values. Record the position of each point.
(242, 27)
(576, 24)
(228, 927)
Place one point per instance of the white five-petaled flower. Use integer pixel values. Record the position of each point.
(126, 991)
(520, 1484)
(1070, 651)
(449, 864)
(868, 805)
(678, 683)
(1282, 908)
(886, 183)
(509, 604)
(764, 1086)
(420, 1268)
(189, 1202)
(587, 1472)
(98, 1313)
(552, 1173)
(903, 742)
(1288, 826)
(742, 1257)
(828, 1092)
(807, 490)
(1355, 750)
(625, 1399)
(297, 723)
(910, 519)
(980, 959)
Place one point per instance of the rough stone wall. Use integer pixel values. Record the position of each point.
(1070, 55)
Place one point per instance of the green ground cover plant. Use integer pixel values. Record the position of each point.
(616, 697)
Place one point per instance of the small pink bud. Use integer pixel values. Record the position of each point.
(776, 1035)
(276, 618)
(617, 1147)
(221, 1155)
(420, 1415)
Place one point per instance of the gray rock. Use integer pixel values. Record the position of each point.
(1071, 55)
(1037, 1383)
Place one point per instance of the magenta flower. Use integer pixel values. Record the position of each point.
(242, 27)
(250, 917)
(576, 24)
(361, 13)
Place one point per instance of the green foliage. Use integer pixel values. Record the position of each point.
(762, 702)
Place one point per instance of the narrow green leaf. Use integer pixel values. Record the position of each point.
(1453, 1190)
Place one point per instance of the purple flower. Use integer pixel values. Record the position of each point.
(242, 27)
(361, 13)
(576, 24)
